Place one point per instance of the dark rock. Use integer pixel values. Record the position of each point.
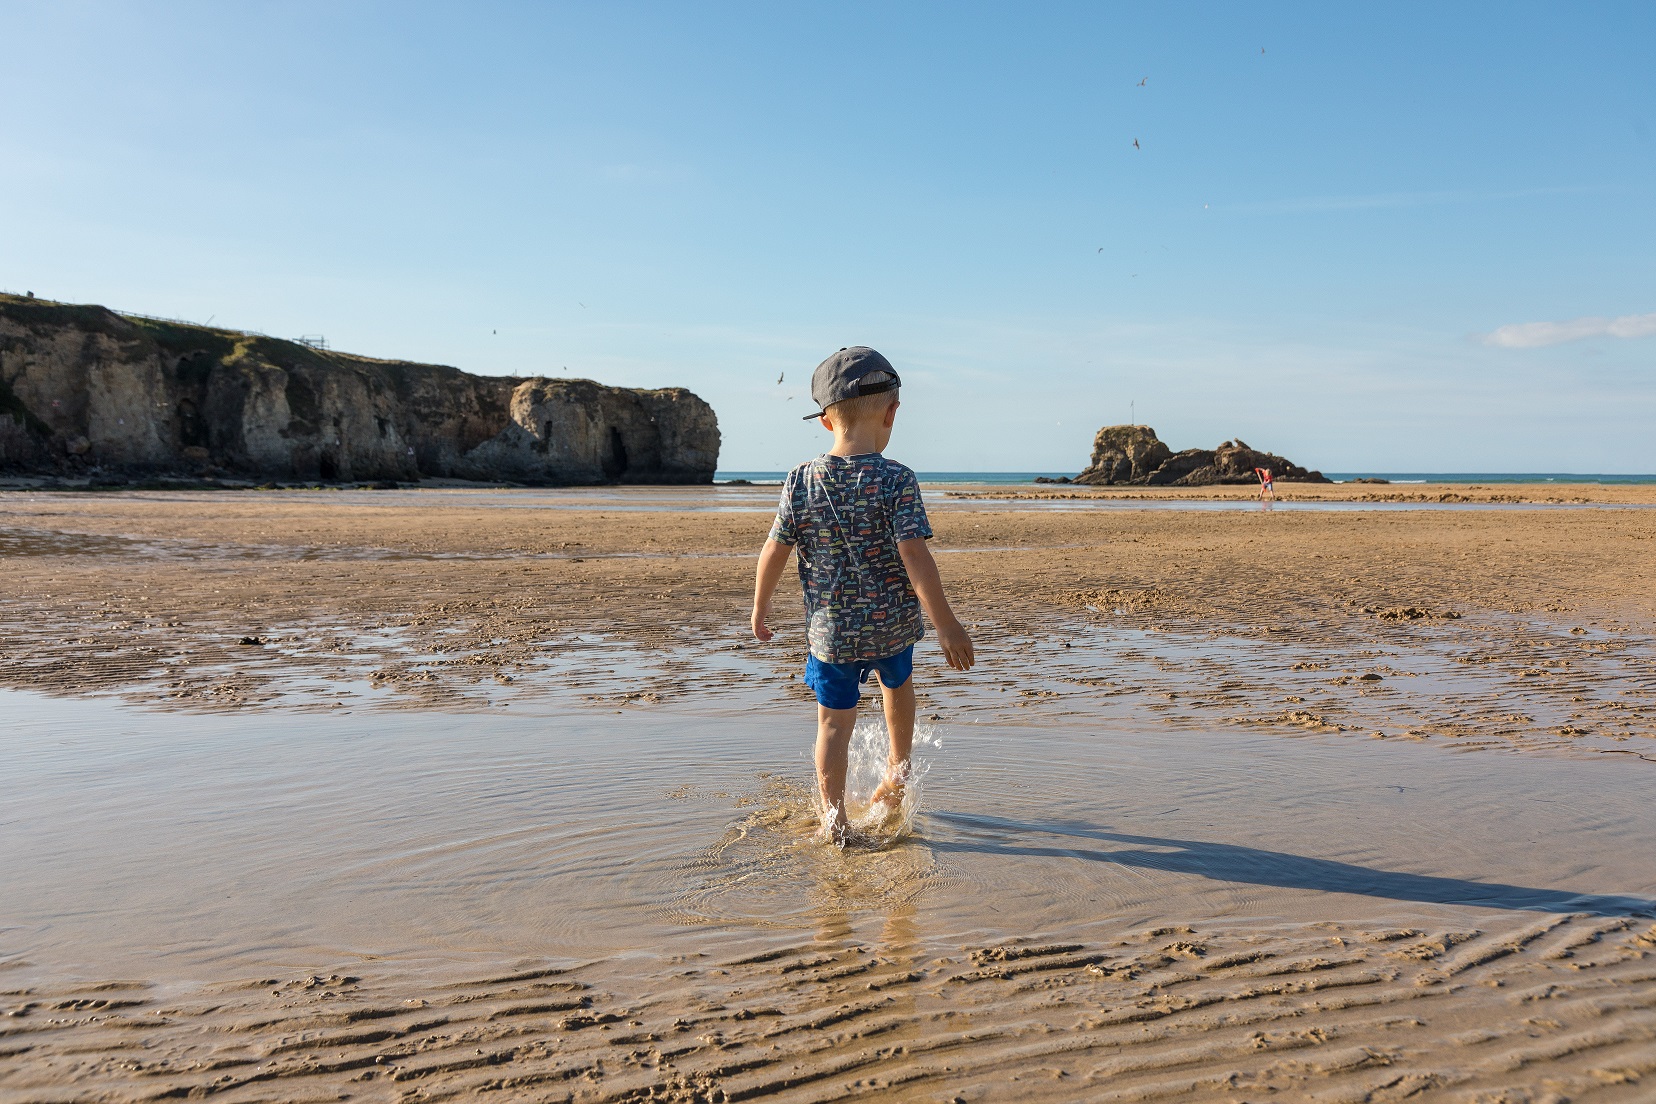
(1181, 467)
(1124, 454)
(252, 641)
(1135, 456)
(1370, 479)
(1234, 462)
(1049, 479)
(84, 388)
(1412, 613)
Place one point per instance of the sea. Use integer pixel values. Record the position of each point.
(994, 478)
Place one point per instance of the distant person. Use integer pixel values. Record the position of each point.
(1266, 490)
(861, 531)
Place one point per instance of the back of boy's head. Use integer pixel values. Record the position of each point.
(853, 384)
(852, 411)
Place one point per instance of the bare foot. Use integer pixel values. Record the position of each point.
(836, 829)
(848, 836)
(892, 788)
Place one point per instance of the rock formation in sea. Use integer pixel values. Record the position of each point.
(84, 390)
(1134, 455)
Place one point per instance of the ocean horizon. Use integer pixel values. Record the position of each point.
(1003, 478)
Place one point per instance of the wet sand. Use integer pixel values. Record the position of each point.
(1314, 805)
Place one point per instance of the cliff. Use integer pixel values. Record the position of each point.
(83, 389)
(1134, 455)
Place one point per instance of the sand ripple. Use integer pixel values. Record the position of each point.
(1559, 1007)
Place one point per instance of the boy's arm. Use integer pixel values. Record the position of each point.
(772, 559)
(928, 586)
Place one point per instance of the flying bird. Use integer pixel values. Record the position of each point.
(1101, 249)
(779, 376)
(1136, 145)
(1142, 82)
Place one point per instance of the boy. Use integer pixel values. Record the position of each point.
(861, 531)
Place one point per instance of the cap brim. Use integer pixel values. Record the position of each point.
(818, 414)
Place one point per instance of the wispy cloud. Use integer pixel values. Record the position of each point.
(1383, 200)
(1534, 335)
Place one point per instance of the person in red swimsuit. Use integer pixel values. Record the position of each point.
(1265, 488)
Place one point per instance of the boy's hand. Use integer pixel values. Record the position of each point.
(956, 645)
(922, 573)
(771, 561)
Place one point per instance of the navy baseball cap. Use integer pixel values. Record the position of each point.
(840, 377)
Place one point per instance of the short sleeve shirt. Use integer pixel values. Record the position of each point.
(845, 515)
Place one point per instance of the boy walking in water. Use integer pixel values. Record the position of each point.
(861, 531)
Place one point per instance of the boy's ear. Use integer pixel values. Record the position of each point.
(826, 424)
(891, 413)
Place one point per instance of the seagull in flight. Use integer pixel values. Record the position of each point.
(1136, 145)
(1142, 83)
(779, 376)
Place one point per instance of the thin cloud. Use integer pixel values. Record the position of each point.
(1534, 335)
(1383, 200)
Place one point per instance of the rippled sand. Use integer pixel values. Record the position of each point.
(501, 803)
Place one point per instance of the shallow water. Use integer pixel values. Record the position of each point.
(143, 843)
(591, 906)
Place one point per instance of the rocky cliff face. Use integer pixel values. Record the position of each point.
(1134, 455)
(83, 389)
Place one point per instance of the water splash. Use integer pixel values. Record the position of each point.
(773, 867)
(876, 823)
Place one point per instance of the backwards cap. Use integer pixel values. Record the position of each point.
(840, 377)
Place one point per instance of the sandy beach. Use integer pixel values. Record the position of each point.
(427, 794)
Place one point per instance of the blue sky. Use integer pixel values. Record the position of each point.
(1379, 237)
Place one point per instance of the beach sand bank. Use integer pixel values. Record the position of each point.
(1301, 804)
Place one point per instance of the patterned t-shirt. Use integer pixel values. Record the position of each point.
(844, 515)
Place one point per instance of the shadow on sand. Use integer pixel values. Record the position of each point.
(1231, 863)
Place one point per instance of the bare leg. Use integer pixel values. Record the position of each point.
(833, 746)
(899, 715)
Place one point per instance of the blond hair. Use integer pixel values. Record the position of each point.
(851, 411)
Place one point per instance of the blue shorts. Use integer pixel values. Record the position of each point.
(837, 685)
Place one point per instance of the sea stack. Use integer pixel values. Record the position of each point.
(1132, 455)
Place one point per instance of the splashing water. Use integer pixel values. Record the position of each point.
(877, 823)
(771, 868)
